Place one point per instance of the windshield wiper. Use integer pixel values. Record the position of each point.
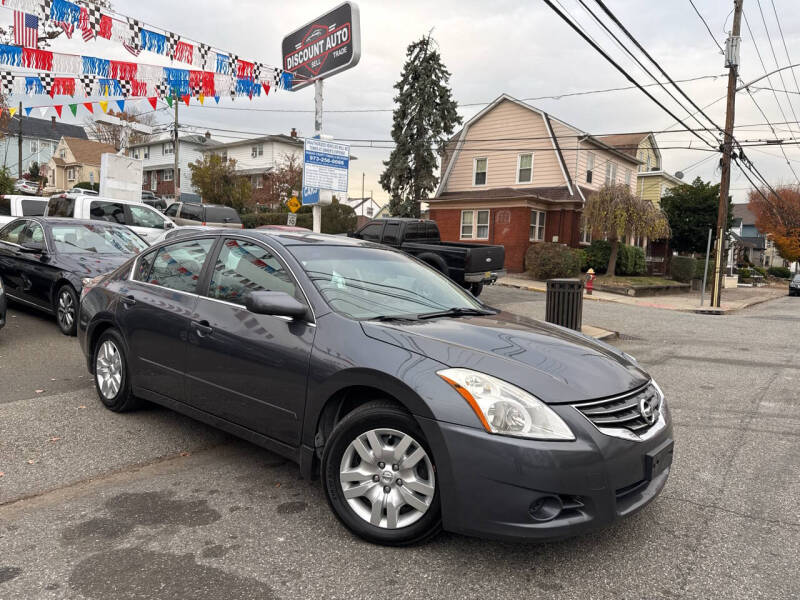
(394, 318)
(456, 311)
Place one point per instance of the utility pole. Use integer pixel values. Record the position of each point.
(19, 143)
(732, 62)
(175, 146)
(362, 186)
(316, 209)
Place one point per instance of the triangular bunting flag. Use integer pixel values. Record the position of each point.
(186, 99)
(28, 110)
(43, 110)
(103, 106)
(121, 104)
(58, 108)
(12, 110)
(169, 101)
(153, 102)
(88, 106)
(266, 88)
(201, 97)
(216, 99)
(74, 109)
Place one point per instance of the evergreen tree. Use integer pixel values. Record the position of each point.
(424, 118)
(692, 211)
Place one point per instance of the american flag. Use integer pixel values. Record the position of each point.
(26, 30)
(68, 28)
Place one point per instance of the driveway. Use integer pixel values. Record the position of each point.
(95, 505)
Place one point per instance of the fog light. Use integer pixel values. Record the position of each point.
(545, 508)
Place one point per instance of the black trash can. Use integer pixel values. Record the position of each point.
(565, 302)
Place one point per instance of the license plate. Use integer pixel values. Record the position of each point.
(659, 459)
(487, 275)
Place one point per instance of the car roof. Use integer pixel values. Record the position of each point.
(286, 238)
(93, 198)
(24, 197)
(69, 221)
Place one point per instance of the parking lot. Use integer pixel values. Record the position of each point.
(98, 505)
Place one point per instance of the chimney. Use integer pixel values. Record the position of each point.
(53, 122)
(293, 133)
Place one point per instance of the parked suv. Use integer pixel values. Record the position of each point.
(213, 215)
(151, 199)
(13, 206)
(144, 220)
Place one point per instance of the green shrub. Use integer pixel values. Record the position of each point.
(550, 261)
(597, 255)
(253, 220)
(760, 270)
(745, 273)
(782, 272)
(682, 268)
(630, 259)
(699, 265)
(87, 185)
(583, 259)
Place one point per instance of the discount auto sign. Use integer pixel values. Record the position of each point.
(324, 46)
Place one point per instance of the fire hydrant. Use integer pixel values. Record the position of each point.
(589, 281)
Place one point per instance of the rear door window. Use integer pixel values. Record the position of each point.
(143, 266)
(5, 207)
(392, 233)
(144, 216)
(107, 211)
(371, 232)
(192, 212)
(12, 232)
(172, 210)
(431, 232)
(414, 231)
(178, 265)
(61, 207)
(32, 208)
(219, 214)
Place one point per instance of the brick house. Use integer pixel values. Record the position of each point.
(516, 176)
(257, 157)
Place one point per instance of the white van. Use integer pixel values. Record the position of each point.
(12, 206)
(144, 220)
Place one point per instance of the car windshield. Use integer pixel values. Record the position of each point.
(796, 279)
(102, 239)
(372, 283)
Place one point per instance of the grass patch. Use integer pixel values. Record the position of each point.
(636, 281)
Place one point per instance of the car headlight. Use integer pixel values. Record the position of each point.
(506, 409)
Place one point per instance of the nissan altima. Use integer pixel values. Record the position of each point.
(44, 261)
(419, 407)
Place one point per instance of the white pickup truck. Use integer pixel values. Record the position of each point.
(12, 207)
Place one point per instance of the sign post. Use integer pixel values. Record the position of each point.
(323, 47)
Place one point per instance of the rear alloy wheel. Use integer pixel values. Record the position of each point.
(380, 478)
(67, 309)
(111, 373)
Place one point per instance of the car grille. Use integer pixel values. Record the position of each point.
(624, 412)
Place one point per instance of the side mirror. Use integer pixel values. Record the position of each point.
(32, 248)
(168, 224)
(277, 304)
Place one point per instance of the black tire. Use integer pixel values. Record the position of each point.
(65, 307)
(123, 399)
(378, 414)
(476, 288)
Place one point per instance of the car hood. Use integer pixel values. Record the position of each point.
(91, 265)
(556, 365)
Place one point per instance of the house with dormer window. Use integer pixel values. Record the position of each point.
(515, 175)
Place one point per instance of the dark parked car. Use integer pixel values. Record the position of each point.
(470, 265)
(421, 407)
(794, 286)
(213, 215)
(44, 261)
(151, 199)
(3, 304)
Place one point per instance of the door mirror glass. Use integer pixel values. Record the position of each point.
(278, 304)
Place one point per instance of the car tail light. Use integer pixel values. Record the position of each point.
(203, 223)
(242, 225)
(89, 283)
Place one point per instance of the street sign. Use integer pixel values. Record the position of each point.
(291, 220)
(310, 196)
(293, 204)
(325, 165)
(322, 47)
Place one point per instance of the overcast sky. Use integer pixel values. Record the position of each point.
(520, 48)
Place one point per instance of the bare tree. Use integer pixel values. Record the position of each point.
(112, 134)
(281, 182)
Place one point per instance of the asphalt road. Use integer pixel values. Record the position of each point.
(96, 506)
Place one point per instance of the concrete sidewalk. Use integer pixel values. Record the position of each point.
(732, 299)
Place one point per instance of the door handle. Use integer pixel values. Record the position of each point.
(202, 328)
(128, 300)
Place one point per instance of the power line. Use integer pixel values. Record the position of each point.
(775, 56)
(785, 48)
(620, 69)
(791, 168)
(707, 27)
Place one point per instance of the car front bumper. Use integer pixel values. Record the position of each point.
(502, 487)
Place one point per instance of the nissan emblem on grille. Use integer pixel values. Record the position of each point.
(635, 411)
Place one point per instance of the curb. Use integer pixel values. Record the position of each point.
(544, 291)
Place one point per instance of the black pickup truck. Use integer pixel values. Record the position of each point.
(470, 265)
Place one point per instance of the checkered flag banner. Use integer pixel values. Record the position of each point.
(125, 86)
(44, 9)
(233, 63)
(90, 21)
(7, 79)
(257, 71)
(172, 42)
(203, 50)
(47, 81)
(277, 78)
(88, 82)
(135, 30)
(162, 90)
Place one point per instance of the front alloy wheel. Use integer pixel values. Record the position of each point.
(387, 478)
(379, 476)
(67, 310)
(108, 370)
